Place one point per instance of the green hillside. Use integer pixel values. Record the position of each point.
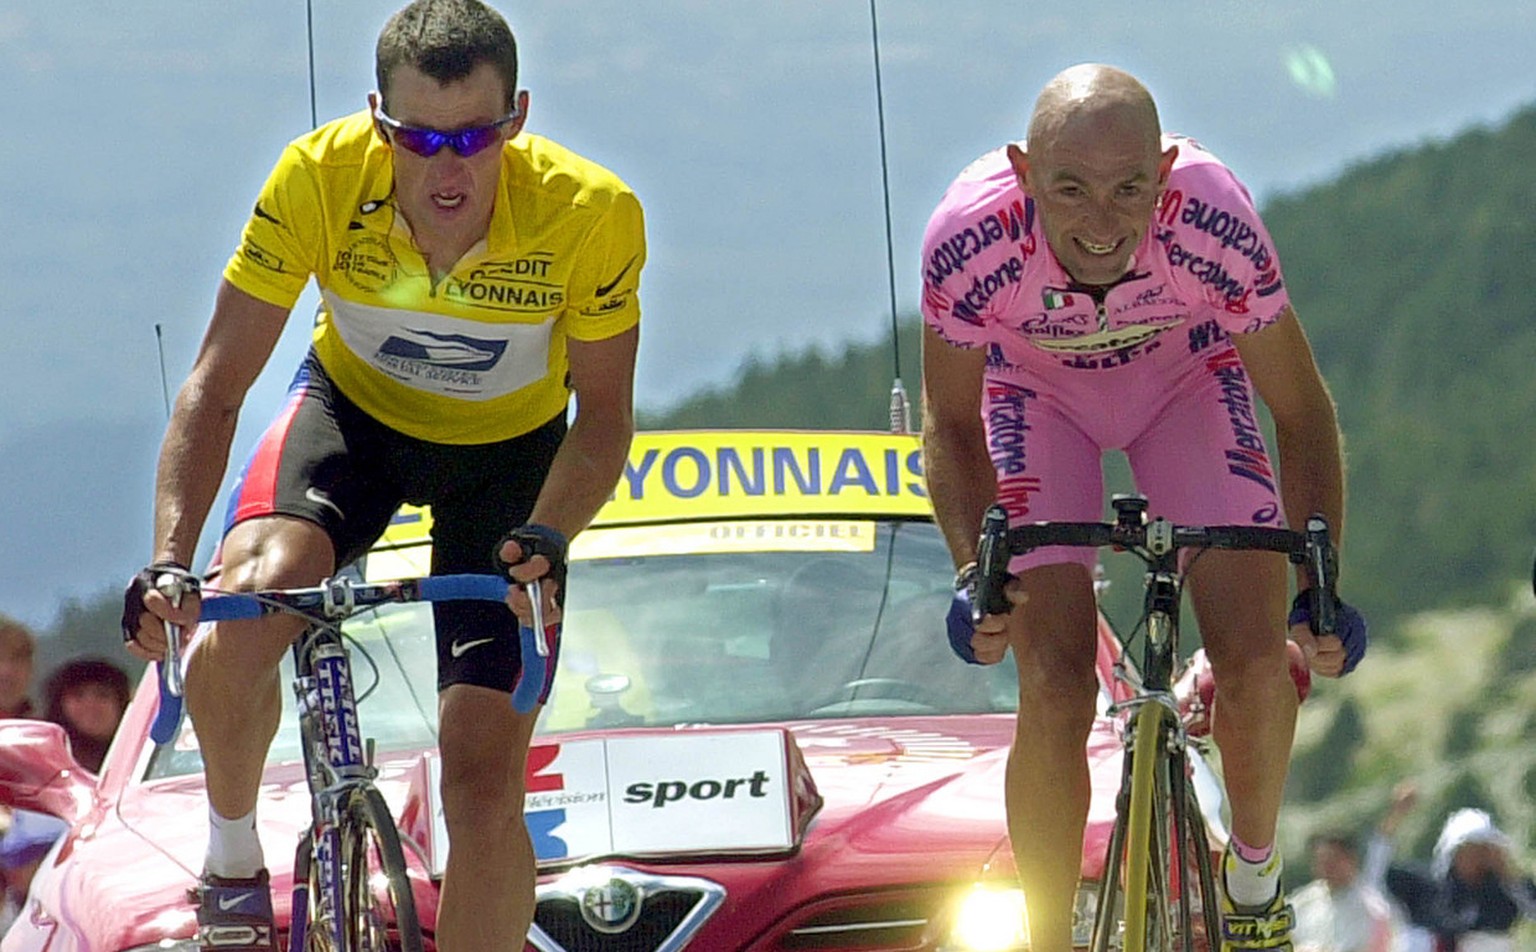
(1413, 274)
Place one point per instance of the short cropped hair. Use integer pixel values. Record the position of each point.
(447, 40)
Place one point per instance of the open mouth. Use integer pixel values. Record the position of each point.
(447, 200)
(1094, 248)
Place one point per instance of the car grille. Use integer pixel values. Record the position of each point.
(615, 909)
(862, 922)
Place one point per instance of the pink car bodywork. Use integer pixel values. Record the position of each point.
(910, 808)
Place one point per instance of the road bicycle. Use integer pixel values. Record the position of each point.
(351, 892)
(1158, 890)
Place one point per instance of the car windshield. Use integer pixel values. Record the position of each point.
(703, 623)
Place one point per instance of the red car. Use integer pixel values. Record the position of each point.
(759, 739)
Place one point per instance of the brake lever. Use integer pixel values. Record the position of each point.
(167, 723)
(1322, 565)
(991, 566)
(534, 641)
(535, 593)
(174, 589)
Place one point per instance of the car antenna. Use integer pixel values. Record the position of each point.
(309, 29)
(901, 408)
(165, 387)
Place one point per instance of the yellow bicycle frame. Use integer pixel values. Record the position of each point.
(1145, 753)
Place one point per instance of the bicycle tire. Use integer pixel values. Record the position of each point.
(1106, 919)
(1182, 910)
(370, 848)
(308, 930)
(1123, 887)
(1199, 907)
(1140, 881)
(301, 923)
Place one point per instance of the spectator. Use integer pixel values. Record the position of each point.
(87, 697)
(22, 849)
(1338, 911)
(1471, 898)
(16, 647)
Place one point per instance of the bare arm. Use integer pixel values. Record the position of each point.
(1310, 448)
(591, 459)
(239, 340)
(1311, 458)
(958, 470)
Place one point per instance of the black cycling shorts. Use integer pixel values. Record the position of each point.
(323, 459)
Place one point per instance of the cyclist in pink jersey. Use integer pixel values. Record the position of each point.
(1106, 287)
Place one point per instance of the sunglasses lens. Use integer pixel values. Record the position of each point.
(424, 142)
(470, 141)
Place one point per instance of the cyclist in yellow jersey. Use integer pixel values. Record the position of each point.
(472, 276)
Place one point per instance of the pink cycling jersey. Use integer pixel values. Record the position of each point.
(1145, 366)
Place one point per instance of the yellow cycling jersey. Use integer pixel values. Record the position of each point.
(480, 355)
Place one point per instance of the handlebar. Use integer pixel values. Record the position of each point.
(339, 598)
(1151, 540)
(991, 566)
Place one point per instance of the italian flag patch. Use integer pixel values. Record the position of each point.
(1055, 300)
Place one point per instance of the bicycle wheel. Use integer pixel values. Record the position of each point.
(1181, 911)
(1145, 879)
(1194, 881)
(309, 929)
(378, 906)
(313, 926)
(1131, 889)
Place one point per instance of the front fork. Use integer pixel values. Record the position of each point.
(335, 758)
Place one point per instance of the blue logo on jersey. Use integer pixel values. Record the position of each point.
(445, 350)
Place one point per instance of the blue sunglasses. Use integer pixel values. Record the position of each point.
(428, 142)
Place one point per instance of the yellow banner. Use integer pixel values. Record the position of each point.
(744, 474)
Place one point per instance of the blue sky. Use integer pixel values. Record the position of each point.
(138, 134)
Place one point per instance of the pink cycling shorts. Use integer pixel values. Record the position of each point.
(1191, 435)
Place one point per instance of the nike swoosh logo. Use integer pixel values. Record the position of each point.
(321, 499)
(603, 290)
(262, 213)
(227, 903)
(459, 647)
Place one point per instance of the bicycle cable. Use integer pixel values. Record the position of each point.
(318, 625)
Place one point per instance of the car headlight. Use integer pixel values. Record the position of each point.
(167, 945)
(987, 918)
(990, 918)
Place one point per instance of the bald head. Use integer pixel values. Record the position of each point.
(1095, 168)
(1092, 98)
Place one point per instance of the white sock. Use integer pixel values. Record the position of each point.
(1252, 884)
(234, 851)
